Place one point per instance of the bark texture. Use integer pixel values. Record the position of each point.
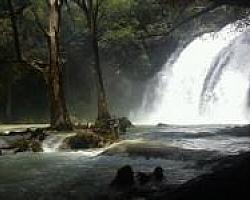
(60, 119)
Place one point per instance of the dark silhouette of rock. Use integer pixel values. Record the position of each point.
(124, 177)
(144, 178)
(229, 181)
(82, 141)
(158, 174)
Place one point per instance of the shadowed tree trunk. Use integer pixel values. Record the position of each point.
(8, 105)
(52, 72)
(60, 119)
(15, 34)
(91, 12)
(103, 113)
(13, 19)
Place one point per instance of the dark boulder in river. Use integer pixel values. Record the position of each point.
(124, 177)
(86, 140)
(158, 174)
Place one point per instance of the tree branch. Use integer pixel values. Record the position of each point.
(32, 64)
(36, 64)
(39, 24)
(17, 11)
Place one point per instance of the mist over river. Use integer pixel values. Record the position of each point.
(182, 151)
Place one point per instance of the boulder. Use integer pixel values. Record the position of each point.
(158, 174)
(124, 123)
(144, 178)
(83, 141)
(124, 177)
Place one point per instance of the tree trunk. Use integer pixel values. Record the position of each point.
(13, 19)
(103, 113)
(8, 105)
(60, 119)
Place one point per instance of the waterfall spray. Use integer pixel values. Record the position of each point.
(207, 84)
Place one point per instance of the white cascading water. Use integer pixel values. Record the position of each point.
(54, 141)
(207, 84)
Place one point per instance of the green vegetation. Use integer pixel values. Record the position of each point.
(90, 59)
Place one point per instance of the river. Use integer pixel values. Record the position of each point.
(180, 150)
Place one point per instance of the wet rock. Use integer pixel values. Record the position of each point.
(24, 145)
(124, 177)
(83, 141)
(144, 178)
(158, 174)
(20, 146)
(145, 185)
(124, 123)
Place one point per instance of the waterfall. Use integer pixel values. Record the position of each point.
(208, 83)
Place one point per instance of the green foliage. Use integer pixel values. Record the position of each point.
(84, 141)
(134, 43)
(22, 145)
(36, 146)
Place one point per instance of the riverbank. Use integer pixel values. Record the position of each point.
(41, 139)
(32, 138)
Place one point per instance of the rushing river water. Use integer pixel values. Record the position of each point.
(81, 175)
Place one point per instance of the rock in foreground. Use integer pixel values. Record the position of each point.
(85, 140)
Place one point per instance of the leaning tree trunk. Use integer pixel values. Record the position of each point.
(103, 113)
(60, 119)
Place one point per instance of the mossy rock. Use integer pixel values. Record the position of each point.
(36, 146)
(124, 123)
(21, 145)
(83, 141)
(24, 145)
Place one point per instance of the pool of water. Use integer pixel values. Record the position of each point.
(83, 174)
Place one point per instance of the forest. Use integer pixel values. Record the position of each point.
(137, 37)
(112, 88)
